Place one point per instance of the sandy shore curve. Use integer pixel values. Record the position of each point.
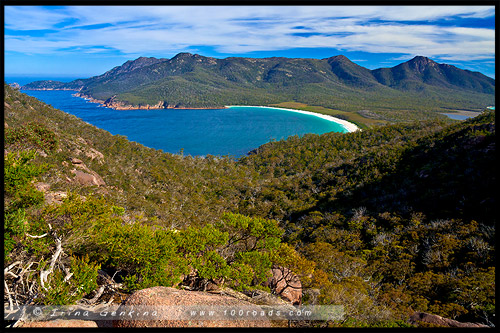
(348, 126)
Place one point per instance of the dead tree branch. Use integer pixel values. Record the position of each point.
(45, 273)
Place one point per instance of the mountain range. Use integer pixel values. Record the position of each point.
(191, 81)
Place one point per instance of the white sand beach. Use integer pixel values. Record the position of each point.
(350, 127)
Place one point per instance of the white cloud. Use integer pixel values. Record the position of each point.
(32, 18)
(240, 29)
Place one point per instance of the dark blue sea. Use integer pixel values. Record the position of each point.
(222, 132)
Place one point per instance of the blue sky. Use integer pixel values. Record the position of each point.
(83, 41)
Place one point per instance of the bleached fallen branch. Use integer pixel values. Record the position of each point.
(44, 274)
(26, 268)
(8, 268)
(7, 291)
(100, 291)
(97, 295)
(41, 236)
(68, 275)
(13, 275)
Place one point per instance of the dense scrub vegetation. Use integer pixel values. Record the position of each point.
(386, 221)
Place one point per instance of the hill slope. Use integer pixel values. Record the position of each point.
(385, 221)
(189, 80)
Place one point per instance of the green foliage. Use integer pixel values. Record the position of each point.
(118, 210)
(236, 248)
(476, 293)
(31, 135)
(250, 234)
(63, 291)
(210, 266)
(76, 216)
(19, 172)
(241, 275)
(286, 256)
(19, 194)
(259, 264)
(149, 254)
(196, 242)
(15, 225)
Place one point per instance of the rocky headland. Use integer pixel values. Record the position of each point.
(115, 104)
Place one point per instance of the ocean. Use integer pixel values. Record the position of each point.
(219, 132)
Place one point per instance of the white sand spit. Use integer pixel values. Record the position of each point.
(350, 127)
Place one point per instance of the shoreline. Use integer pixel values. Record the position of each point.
(350, 127)
(110, 103)
(347, 125)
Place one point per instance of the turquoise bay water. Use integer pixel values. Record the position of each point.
(232, 131)
(456, 116)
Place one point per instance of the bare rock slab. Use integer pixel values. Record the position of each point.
(87, 179)
(164, 297)
(421, 317)
(60, 323)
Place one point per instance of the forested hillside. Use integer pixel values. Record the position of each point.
(410, 91)
(385, 221)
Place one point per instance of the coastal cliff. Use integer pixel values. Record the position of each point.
(115, 104)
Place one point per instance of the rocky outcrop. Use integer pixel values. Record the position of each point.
(76, 161)
(89, 98)
(86, 177)
(42, 187)
(114, 103)
(51, 197)
(15, 85)
(40, 152)
(84, 150)
(59, 323)
(95, 154)
(266, 299)
(176, 301)
(431, 320)
(261, 297)
(286, 284)
(55, 197)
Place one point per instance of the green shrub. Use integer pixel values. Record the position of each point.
(211, 265)
(250, 269)
(31, 135)
(19, 194)
(236, 247)
(241, 276)
(9, 244)
(19, 172)
(15, 225)
(63, 291)
(148, 254)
